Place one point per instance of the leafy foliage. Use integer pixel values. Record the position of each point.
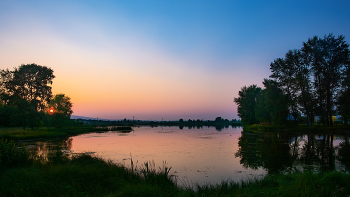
(329, 60)
(312, 81)
(11, 156)
(272, 104)
(27, 88)
(62, 110)
(247, 103)
(26, 97)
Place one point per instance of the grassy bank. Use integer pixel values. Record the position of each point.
(83, 176)
(319, 129)
(302, 184)
(24, 174)
(17, 133)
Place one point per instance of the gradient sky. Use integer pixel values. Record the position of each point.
(160, 59)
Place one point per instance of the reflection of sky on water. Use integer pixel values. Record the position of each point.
(195, 155)
(206, 155)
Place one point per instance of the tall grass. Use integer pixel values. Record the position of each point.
(78, 175)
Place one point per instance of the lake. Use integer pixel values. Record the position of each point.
(210, 155)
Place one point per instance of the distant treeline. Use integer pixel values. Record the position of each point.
(307, 82)
(182, 123)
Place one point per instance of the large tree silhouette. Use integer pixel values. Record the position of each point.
(328, 59)
(27, 88)
(293, 76)
(247, 102)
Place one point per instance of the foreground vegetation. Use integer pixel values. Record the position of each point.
(25, 174)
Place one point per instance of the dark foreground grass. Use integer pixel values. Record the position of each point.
(85, 175)
(302, 184)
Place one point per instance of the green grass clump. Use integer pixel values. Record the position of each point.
(11, 156)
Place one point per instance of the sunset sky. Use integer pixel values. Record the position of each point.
(160, 59)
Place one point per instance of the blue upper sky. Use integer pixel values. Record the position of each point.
(202, 52)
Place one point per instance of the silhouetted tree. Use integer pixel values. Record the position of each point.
(218, 119)
(343, 105)
(344, 95)
(62, 109)
(302, 82)
(329, 57)
(246, 104)
(283, 71)
(272, 104)
(293, 76)
(27, 88)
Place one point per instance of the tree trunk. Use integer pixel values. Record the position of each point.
(329, 108)
(331, 160)
(24, 123)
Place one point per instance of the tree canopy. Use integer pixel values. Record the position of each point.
(61, 107)
(311, 81)
(329, 59)
(246, 104)
(28, 88)
(25, 94)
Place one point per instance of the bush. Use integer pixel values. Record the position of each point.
(11, 156)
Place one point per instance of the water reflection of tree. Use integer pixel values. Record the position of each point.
(318, 151)
(249, 151)
(268, 151)
(343, 153)
(281, 152)
(43, 148)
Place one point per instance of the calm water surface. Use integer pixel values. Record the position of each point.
(210, 155)
(196, 155)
